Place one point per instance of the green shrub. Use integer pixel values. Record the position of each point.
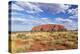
(22, 36)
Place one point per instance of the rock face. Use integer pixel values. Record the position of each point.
(48, 27)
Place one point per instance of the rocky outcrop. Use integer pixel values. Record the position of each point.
(48, 27)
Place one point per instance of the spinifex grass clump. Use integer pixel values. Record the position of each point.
(44, 41)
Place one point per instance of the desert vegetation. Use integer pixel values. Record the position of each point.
(43, 41)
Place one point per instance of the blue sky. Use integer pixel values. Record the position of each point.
(25, 15)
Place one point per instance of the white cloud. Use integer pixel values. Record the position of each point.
(30, 21)
(54, 8)
(44, 18)
(71, 26)
(25, 21)
(18, 19)
(16, 7)
(37, 7)
(62, 8)
(33, 8)
(74, 13)
(68, 23)
(74, 17)
(29, 7)
(63, 20)
(47, 21)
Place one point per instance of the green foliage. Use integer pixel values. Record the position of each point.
(22, 36)
(20, 50)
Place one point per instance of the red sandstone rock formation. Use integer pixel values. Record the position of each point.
(48, 27)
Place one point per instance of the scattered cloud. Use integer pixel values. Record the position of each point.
(29, 7)
(62, 8)
(68, 23)
(73, 16)
(57, 8)
(73, 11)
(25, 15)
(63, 20)
(31, 21)
(18, 19)
(40, 7)
(44, 18)
(16, 7)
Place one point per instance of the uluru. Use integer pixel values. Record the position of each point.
(49, 27)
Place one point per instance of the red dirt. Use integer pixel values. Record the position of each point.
(37, 46)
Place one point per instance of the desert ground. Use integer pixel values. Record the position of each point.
(42, 41)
